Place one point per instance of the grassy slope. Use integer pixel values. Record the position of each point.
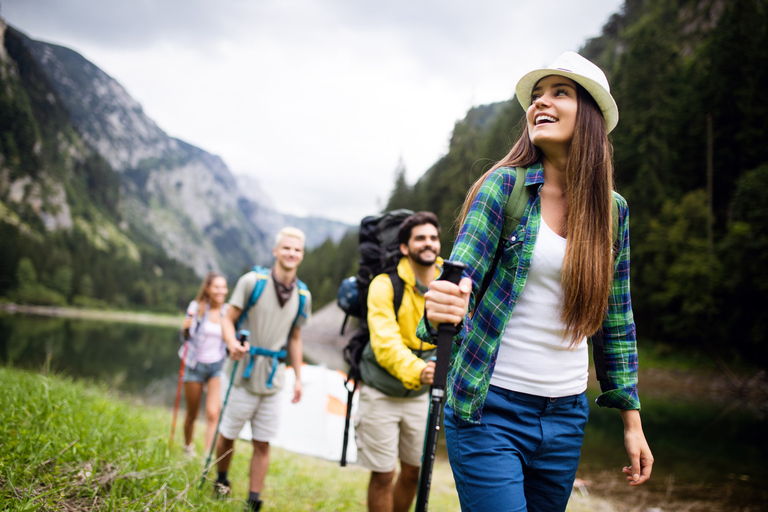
(65, 445)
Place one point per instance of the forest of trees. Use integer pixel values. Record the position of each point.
(688, 77)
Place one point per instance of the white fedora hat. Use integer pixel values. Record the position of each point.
(583, 72)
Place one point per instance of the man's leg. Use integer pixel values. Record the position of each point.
(264, 427)
(405, 487)
(380, 492)
(240, 407)
(376, 432)
(413, 426)
(259, 465)
(224, 446)
(225, 450)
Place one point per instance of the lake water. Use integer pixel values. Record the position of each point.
(710, 452)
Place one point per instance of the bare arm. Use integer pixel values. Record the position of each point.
(295, 359)
(640, 456)
(236, 350)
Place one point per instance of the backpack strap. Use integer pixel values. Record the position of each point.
(615, 216)
(303, 294)
(516, 203)
(514, 209)
(262, 274)
(278, 356)
(398, 289)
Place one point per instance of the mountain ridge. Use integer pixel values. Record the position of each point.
(100, 208)
(180, 196)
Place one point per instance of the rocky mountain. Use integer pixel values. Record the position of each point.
(177, 196)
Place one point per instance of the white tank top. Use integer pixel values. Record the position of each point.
(210, 339)
(534, 357)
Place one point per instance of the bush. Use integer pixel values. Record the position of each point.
(39, 295)
(82, 301)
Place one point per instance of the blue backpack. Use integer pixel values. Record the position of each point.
(278, 356)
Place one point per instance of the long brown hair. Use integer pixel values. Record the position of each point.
(588, 264)
(202, 298)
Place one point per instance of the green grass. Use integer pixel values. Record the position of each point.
(68, 445)
(73, 446)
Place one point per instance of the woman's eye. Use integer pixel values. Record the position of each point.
(534, 97)
(561, 92)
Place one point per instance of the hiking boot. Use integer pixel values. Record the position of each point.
(253, 506)
(221, 489)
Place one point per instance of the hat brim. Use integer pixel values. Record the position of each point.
(602, 97)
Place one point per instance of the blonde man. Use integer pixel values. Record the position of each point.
(273, 304)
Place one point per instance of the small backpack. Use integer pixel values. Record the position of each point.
(379, 254)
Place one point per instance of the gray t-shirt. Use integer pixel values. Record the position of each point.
(270, 325)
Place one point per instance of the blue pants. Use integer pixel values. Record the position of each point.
(523, 455)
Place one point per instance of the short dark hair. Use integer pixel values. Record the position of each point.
(417, 219)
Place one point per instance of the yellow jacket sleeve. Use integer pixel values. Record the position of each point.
(391, 336)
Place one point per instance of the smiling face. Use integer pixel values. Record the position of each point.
(551, 117)
(217, 291)
(423, 245)
(289, 252)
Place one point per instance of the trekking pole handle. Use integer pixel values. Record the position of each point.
(185, 332)
(452, 272)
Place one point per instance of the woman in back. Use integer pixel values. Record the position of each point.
(516, 407)
(205, 355)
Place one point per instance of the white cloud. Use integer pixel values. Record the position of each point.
(317, 99)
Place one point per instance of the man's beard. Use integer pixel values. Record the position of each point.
(417, 258)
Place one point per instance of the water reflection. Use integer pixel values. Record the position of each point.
(134, 358)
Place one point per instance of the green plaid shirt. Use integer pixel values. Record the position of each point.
(474, 354)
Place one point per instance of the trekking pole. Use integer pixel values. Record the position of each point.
(178, 387)
(348, 417)
(242, 336)
(451, 272)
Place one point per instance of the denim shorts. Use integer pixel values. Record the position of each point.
(203, 371)
(523, 454)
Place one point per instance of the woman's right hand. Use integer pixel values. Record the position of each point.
(187, 323)
(446, 302)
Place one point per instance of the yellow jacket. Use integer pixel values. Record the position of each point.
(393, 338)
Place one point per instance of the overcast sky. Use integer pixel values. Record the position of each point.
(318, 99)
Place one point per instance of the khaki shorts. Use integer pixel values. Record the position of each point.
(387, 428)
(263, 411)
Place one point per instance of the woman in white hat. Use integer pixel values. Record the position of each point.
(516, 406)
